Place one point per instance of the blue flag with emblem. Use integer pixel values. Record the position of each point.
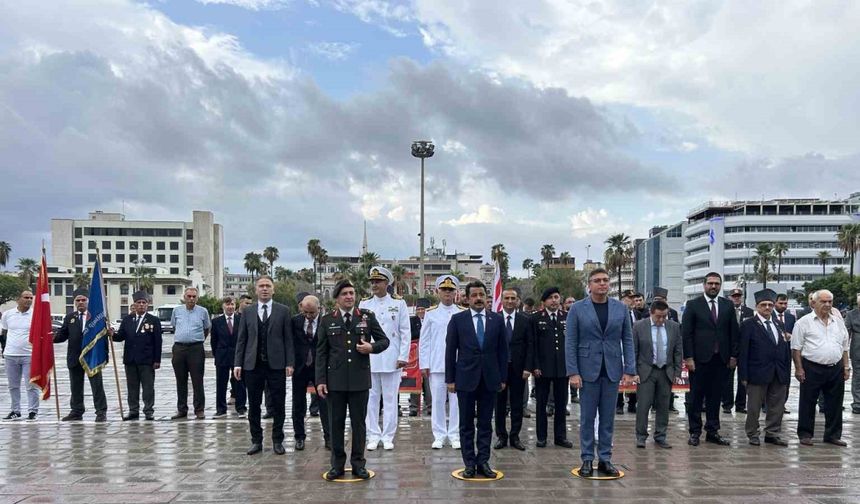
(94, 344)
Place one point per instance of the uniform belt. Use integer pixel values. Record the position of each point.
(187, 344)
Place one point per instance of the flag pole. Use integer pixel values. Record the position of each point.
(54, 367)
(110, 337)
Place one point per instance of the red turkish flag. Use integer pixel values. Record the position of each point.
(42, 335)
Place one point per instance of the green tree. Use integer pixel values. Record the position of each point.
(618, 255)
(547, 252)
(211, 303)
(527, 265)
(282, 274)
(779, 249)
(839, 282)
(498, 253)
(314, 249)
(27, 269)
(322, 260)
(848, 238)
(823, 256)
(568, 281)
(253, 265)
(399, 273)
(271, 254)
(10, 288)
(5, 252)
(762, 259)
(343, 268)
(565, 257)
(81, 280)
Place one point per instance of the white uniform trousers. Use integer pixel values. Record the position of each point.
(387, 386)
(439, 393)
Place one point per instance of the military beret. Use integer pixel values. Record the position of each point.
(340, 286)
(661, 292)
(81, 292)
(447, 282)
(549, 291)
(422, 303)
(301, 296)
(140, 296)
(380, 273)
(765, 295)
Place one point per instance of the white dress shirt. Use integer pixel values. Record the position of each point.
(819, 342)
(18, 336)
(716, 301)
(268, 305)
(475, 320)
(774, 331)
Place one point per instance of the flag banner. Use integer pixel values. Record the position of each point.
(94, 345)
(42, 335)
(497, 288)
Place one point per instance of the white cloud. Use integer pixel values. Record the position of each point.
(485, 214)
(335, 51)
(592, 222)
(251, 4)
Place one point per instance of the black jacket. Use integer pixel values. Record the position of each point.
(300, 342)
(339, 365)
(700, 333)
(761, 358)
(143, 347)
(522, 343)
(223, 343)
(549, 348)
(71, 331)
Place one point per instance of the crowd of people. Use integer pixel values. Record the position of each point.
(476, 365)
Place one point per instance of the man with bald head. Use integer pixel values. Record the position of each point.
(305, 326)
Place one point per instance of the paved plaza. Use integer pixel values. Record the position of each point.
(203, 461)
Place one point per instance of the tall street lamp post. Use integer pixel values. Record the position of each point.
(422, 149)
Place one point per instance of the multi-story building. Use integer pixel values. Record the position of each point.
(659, 262)
(171, 254)
(628, 280)
(236, 284)
(722, 237)
(559, 263)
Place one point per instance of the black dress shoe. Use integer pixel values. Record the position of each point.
(485, 471)
(775, 440)
(586, 470)
(72, 417)
(469, 472)
(673, 408)
(541, 443)
(267, 415)
(179, 416)
(693, 441)
(130, 417)
(741, 410)
(727, 411)
(517, 444)
(755, 441)
(564, 443)
(333, 474)
(607, 469)
(255, 449)
(837, 442)
(150, 417)
(663, 444)
(640, 443)
(315, 413)
(279, 449)
(300, 444)
(327, 444)
(717, 440)
(500, 443)
(360, 473)
(619, 410)
(631, 409)
(550, 412)
(101, 417)
(526, 414)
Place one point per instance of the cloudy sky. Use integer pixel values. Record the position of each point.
(555, 121)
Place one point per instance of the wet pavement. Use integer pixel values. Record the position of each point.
(205, 461)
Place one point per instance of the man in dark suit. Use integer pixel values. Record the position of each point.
(635, 303)
(345, 339)
(547, 359)
(305, 326)
(476, 367)
(787, 320)
(519, 339)
(709, 329)
(141, 356)
(763, 369)
(599, 352)
(659, 354)
(729, 397)
(223, 341)
(265, 357)
(415, 323)
(72, 331)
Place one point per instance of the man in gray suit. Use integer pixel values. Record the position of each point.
(659, 352)
(264, 358)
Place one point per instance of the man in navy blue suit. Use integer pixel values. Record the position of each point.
(786, 319)
(599, 354)
(476, 368)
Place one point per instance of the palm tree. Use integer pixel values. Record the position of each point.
(779, 249)
(618, 255)
(848, 238)
(322, 260)
(368, 261)
(459, 274)
(81, 280)
(314, 251)
(271, 254)
(527, 265)
(762, 259)
(498, 253)
(5, 251)
(27, 269)
(253, 265)
(147, 280)
(547, 252)
(282, 274)
(823, 256)
(343, 268)
(399, 274)
(565, 257)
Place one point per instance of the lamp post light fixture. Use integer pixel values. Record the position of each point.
(422, 149)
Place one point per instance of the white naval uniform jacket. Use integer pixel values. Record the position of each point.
(434, 332)
(393, 315)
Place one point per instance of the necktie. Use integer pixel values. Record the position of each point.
(346, 318)
(713, 311)
(781, 320)
(265, 313)
(770, 330)
(661, 348)
(552, 317)
(739, 311)
(309, 334)
(510, 329)
(480, 332)
(230, 325)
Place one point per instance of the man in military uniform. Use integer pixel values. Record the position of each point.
(547, 359)
(431, 361)
(415, 322)
(141, 332)
(385, 368)
(72, 331)
(343, 374)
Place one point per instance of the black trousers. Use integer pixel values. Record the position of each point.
(729, 397)
(706, 386)
(512, 395)
(338, 402)
(276, 380)
(222, 379)
(300, 382)
(140, 376)
(826, 380)
(427, 400)
(477, 403)
(189, 360)
(631, 400)
(76, 403)
(560, 396)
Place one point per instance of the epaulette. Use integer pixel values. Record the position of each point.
(365, 311)
(395, 296)
(462, 308)
(432, 307)
(368, 298)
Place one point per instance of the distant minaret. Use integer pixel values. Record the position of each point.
(364, 242)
